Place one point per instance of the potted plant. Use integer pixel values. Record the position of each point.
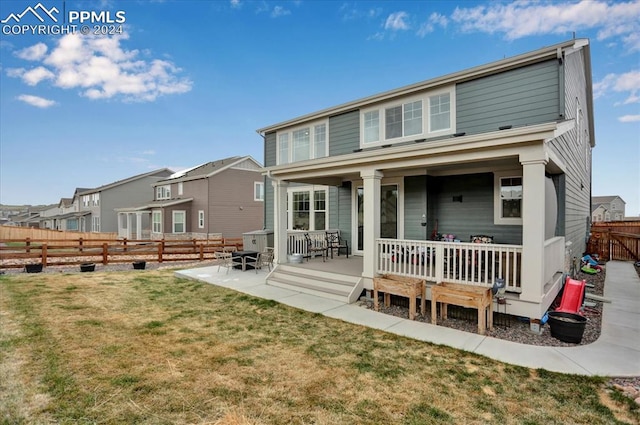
(87, 267)
(139, 265)
(33, 268)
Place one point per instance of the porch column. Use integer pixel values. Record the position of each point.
(280, 221)
(128, 225)
(533, 226)
(371, 220)
(138, 225)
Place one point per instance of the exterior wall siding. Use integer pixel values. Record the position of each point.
(523, 96)
(344, 133)
(199, 191)
(576, 156)
(269, 160)
(415, 205)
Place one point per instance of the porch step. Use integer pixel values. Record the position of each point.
(314, 282)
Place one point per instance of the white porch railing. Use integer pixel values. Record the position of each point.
(296, 243)
(465, 263)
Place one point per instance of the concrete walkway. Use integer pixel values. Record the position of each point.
(615, 353)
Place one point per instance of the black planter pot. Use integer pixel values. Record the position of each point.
(567, 327)
(139, 265)
(87, 267)
(33, 268)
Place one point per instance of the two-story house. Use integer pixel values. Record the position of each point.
(223, 198)
(408, 176)
(98, 206)
(607, 208)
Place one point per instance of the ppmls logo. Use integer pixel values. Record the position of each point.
(33, 11)
(74, 21)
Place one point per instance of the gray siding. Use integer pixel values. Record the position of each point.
(270, 149)
(344, 133)
(474, 215)
(268, 204)
(344, 212)
(576, 188)
(523, 96)
(415, 204)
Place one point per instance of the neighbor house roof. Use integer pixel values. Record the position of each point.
(595, 200)
(546, 53)
(127, 180)
(207, 170)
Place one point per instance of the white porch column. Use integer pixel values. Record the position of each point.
(280, 221)
(128, 225)
(371, 220)
(139, 225)
(533, 226)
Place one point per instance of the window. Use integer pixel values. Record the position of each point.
(508, 198)
(180, 188)
(426, 115)
(86, 200)
(95, 224)
(371, 123)
(440, 112)
(163, 192)
(201, 219)
(72, 224)
(179, 222)
(95, 199)
(301, 144)
(258, 191)
(307, 208)
(156, 221)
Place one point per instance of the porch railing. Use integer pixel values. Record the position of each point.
(554, 257)
(466, 263)
(296, 243)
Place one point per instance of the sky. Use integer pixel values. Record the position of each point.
(175, 84)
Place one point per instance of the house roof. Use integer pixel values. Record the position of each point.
(155, 204)
(159, 172)
(65, 202)
(604, 199)
(546, 53)
(209, 169)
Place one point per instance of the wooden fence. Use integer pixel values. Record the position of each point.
(15, 233)
(18, 253)
(615, 240)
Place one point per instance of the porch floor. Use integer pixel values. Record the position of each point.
(351, 266)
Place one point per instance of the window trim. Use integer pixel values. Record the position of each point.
(498, 219)
(159, 222)
(312, 142)
(173, 221)
(163, 192)
(95, 223)
(310, 189)
(255, 186)
(425, 97)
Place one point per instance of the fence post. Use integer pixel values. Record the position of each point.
(105, 253)
(125, 245)
(44, 255)
(160, 250)
(27, 243)
(80, 244)
(201, 252)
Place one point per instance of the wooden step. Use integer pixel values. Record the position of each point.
(319, 283)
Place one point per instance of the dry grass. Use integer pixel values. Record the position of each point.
(124, 347)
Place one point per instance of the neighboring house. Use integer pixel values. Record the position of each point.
(99, 205)
(47, 216)
(219, 198)
(502, 149)
(607, 208)
(28, 218)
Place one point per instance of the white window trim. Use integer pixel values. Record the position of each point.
(173, 221)
(163, 192)
(497, 204)
(201, 219)
(95, 223)
(255, 186)
(314, 155)
(180, 188)
(153, 213)
(426, 122)
(312, 219)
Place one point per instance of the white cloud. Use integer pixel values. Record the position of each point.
(33, 53)
(627, 83)
(523, 18)
(37, 101)
(629, 118)
(397, 21)
(430, 25)
(102, 69)
(235, 4)
(279, 11)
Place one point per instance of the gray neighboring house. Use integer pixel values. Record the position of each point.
(409, 175)
(222, 198)
(607, 208)
(97, 207)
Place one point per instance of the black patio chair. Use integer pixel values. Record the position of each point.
(334, 241)
(315, 246)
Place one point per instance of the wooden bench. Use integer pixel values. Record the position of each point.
(471, 296)
(403, 286)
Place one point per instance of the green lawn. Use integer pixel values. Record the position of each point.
(146, 347)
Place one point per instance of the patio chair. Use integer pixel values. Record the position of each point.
(259, 261)
(314, 246)
(334, 241)
(224, 260)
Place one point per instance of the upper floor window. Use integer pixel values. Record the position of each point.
(508, 198)
(258, 191)
(426, 115)
(180, 188)
(95, 199)
(86, 200)
(302, 143)
(163, 192)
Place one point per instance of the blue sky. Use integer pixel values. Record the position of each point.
(188, 82)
